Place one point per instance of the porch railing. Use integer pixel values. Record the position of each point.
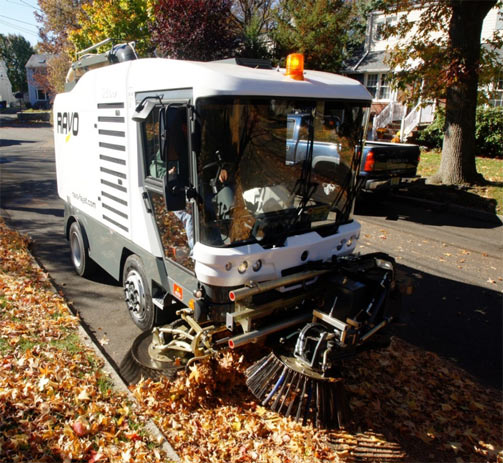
(394, 111)
(420, 114)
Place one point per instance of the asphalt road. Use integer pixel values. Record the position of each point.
(29, 202)
(454, 262)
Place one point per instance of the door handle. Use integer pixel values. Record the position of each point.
(146, 200)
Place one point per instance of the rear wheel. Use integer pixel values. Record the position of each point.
(137, 294)
(82, 263)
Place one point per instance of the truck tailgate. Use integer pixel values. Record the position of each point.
(394, 158)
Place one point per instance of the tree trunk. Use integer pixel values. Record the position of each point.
(457, 164)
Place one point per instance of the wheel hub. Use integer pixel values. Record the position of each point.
(135, 295)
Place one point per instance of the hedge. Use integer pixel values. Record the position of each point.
(488, 132)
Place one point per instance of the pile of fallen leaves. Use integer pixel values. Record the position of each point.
(407, 405)
(55, 402)
(435, 410)
(57, 405)
(209, 416)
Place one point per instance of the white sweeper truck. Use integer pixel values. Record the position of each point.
(187, 183)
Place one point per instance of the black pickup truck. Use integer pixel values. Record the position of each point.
(384, 166)
(388, 165)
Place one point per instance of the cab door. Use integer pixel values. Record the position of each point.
(166, 162)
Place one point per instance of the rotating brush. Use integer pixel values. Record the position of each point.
(286, 386)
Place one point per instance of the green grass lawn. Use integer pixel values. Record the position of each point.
(491, 169)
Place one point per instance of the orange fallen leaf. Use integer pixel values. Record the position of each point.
(80, 428)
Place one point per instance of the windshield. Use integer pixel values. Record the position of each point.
(271, 168)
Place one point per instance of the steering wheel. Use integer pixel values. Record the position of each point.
(215, 183)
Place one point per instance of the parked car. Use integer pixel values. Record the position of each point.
(384, 166)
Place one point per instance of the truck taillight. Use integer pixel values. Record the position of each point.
(369, 162)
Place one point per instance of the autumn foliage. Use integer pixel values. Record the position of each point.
(407, 405)
(56, 404)
(201, 30)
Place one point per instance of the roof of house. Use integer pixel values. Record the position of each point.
(373, 61)
(38, 61)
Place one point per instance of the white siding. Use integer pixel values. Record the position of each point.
(492, 22)
(5, 85)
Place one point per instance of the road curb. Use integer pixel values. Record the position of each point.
(448, 207)
(118, 383)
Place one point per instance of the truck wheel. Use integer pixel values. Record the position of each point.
(82, 263)
(137, 293)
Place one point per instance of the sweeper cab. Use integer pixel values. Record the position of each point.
(186, 182)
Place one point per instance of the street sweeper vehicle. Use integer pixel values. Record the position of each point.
(182, 180)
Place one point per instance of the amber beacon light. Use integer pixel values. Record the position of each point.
(295, 66)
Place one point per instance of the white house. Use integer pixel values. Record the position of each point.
(370, 69)
(37, 95)
(6, 96)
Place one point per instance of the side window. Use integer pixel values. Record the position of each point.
(154, 166)
(177, 144)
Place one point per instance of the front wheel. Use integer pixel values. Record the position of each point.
(81, 261)
(137, 293)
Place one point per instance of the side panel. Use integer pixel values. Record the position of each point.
(109, 256)
(97, 165)
(112, 172)
(74, 141)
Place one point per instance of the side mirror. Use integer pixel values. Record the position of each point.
(174, 192)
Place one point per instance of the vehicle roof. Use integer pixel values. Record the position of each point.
(217, 78)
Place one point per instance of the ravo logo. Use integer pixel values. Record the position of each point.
(67, 124)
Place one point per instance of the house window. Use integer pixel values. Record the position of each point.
(378, 86)
(41, 95)
(384, 92)
(381, 24)
(496, 98)
(499, 21)
(378, 32)
(372, 84)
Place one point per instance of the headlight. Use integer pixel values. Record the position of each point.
(242, 267)
(257, 265)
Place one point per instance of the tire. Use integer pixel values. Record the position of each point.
(137, 293)
(82, 263)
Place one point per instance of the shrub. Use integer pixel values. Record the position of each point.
(433, 135)
(488, 132)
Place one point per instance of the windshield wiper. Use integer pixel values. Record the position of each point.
(349, 186)
(303, 186)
